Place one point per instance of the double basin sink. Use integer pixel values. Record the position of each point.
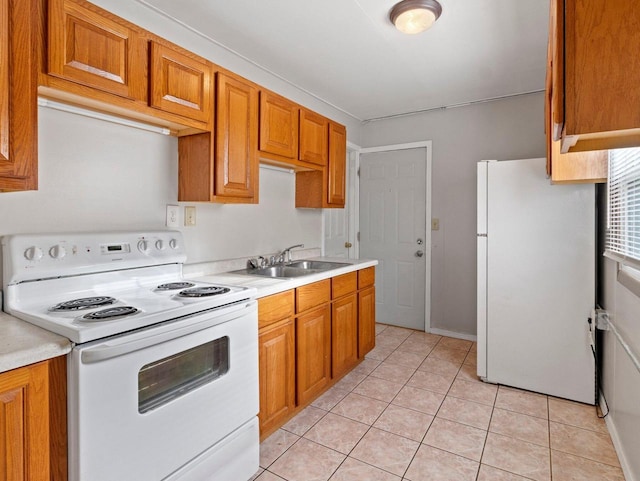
(292, 269)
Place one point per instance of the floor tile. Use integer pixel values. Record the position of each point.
(267, 476)
(456, 438)
(303, 421)
(474, 391)
(379, 353)
(276, 444)
(433, 338)
(380, 328)
(431, 464)
(393, 372)
(474, 347)
(389, 341)
(430, 381)
(489, 473)
(404, 422)
(576, 414)
(471, 359)
(367, 366)
(443, 367)
(417, 345)
(410, 359)
(452, 343)
(468, 372)
(330, 398)
(453, 355)
(354, 470)
(378, 388)
(386, 451)
(258, 473)
(466, 412)
(396, 331)
(566, 467)
(523, 402)
(351, 380)
(582, 442)
(424, 401)
(520, 426)
(360, 408)
(307, 461)
(518, 457)
(337, 432)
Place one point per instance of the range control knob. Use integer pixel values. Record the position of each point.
(143, 246)
(33, 253)
(57, 252)
(160, 245)
(173, 243)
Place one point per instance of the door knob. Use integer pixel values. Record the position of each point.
(419, 254)
(348, 244)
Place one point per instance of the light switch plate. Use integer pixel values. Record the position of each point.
(190, 215)
(173, 212)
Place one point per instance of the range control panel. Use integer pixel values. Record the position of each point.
(40, 256)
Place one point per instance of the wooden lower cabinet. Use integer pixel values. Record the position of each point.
(277, 373)
(313, 353)
(366, 321)
(344, 334)
(30, 439)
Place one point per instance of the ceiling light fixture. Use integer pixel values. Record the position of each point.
(415, 16)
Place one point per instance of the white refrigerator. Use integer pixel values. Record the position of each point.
(536, 280)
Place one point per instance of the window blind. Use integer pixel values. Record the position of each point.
(623, 226)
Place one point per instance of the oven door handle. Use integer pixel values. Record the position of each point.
(140, 340)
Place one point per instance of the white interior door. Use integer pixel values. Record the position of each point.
(339, 238)
(393, 213)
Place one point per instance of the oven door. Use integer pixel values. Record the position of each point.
(145, 405)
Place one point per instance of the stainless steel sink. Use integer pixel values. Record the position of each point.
(294, 269)
(318, 265)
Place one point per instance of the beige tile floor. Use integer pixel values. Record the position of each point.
(415, 410)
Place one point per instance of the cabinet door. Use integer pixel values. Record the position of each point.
(24, 418)
(181, 84)
(314, 138)
(366, 321)
(18, 97)
(236, 140)
(344, 334)
(337, 174)
(313, 353)
(277, 373)
(89, 46)
(278, 125)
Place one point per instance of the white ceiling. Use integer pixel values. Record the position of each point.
(347, 53)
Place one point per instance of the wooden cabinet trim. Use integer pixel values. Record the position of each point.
(312, 295)
(337, 165)
(366, 277)
(278, 125)
(313, 353)
(314, 138)
(344, 334)
(366, 321)
(275, 307)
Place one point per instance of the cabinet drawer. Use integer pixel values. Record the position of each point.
(313, 295)
(366, 277)
(344, 284)
(275, 307)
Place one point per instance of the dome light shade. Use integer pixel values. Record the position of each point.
(415, 16)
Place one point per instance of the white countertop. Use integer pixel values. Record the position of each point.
(22, 343)
(267, 286)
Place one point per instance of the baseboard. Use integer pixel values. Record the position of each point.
(457, 335)
(617, 444)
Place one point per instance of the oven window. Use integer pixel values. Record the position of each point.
(162, 381)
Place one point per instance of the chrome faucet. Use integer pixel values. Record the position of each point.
(285, 255)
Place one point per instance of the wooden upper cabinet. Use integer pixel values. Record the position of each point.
(596, 49)
(236, 153)
(314, 138)
(89, 46)
(181, 83)
(337, 169)
(18, 96)
(278, 125)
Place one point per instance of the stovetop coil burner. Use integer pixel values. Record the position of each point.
(204, 291)
(83, 303)
(110, 313)
(170, 286)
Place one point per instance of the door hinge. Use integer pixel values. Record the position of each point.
(358, 236)
(358, 172)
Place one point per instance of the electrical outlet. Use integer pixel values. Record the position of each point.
(190, 215)
(173, 211)
(435, 224)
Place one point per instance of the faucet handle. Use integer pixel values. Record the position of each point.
(252, 263)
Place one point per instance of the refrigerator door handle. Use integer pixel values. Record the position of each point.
(481, 235)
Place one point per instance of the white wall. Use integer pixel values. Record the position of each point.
(96, 175)
(506, 129)
(620, 378)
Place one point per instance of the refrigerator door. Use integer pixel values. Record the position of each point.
(482, 270)
(540, 281)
